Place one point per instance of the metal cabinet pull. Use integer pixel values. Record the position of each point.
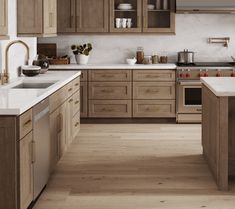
(28, 122)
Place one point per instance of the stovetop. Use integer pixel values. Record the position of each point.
(208, 64)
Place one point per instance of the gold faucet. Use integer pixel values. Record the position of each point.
(4, 76)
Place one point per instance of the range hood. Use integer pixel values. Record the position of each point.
(205, 6)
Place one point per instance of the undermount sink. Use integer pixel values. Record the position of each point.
(26, 85)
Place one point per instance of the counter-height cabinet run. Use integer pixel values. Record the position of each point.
(78, 16)
(3, 19)
(33, 142)
(37, 18)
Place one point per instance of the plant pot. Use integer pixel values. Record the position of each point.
(82, 59)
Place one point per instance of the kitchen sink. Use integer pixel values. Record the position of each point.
(26, 85)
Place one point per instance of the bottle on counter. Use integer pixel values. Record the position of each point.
(140, 55)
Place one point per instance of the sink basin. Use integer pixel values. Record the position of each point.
(32, 85)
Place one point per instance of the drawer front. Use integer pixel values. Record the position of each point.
(154, 90)
(70, 89)
(110, 108)
(58, 98)
(83, 100)
(76, 102)
(84, 75)
(110, 90)
(110, 75)
(26, 123)
(154, 108)
(76, 84)
(153, 75)
(76, 125)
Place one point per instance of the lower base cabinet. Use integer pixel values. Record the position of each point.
(26, 159)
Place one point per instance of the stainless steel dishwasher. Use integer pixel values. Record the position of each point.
(41, 139)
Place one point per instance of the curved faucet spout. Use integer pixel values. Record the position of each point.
(5, 74)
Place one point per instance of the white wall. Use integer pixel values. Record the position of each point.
(17, 52)
(192, 32)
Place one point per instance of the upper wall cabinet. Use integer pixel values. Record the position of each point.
(85, 16)
(37, 18)
(3, 19)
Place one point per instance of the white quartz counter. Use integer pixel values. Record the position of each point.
(221, 87)
(17, 101)
(113, 66)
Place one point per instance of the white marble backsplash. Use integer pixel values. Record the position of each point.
(192, 32)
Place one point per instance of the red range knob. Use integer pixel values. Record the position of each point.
(181, 75)
(200, 75)
(187, 75)
(206, 75)
(233, 75)
(218, 75)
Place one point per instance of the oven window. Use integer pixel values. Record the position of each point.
(193, 96)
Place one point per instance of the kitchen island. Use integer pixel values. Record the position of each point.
(218, 132)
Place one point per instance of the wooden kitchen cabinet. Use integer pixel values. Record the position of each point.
(26, 159)
(78, 16)
(37, 18)
(159, 20)
(3, 19)
(84, 99)
(135, 14)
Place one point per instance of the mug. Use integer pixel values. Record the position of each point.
(124, 22)
(118, 22)
(129, 22)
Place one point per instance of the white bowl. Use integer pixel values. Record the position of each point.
(124, 6)
(151, 6)
(131, 61)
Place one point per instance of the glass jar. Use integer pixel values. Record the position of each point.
(147, 60)
(140, 55)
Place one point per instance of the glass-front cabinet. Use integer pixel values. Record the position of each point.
(126, 16)
(159, 16)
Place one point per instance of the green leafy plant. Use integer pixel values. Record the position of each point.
(84, 49)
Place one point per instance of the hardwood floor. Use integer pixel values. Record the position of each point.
(135, 166)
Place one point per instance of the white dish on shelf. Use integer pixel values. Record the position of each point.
(131, 61)
(124, 6)
(151, 6)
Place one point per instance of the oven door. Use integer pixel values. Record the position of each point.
(189, 97)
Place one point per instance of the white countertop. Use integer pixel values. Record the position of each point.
(17, 101)
(113, 66)
(221, 87)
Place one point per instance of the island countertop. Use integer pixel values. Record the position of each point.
(17, 101)
(220, 86)
(114, 66)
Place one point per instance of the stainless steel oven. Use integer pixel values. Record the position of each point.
(189, 101)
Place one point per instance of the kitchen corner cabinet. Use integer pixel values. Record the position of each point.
(37, 18)
(3, 19)
(159, 20)
(78, 16)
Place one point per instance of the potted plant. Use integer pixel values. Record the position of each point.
(82, 53)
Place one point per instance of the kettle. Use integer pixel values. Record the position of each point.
(186, 57)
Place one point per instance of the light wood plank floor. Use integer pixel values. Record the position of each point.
(135, 166)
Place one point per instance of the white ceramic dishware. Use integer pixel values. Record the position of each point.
(158, 4)
(118, 22)
(124, 22)
(151, 6)
(129, 23)
(124, 6)
(131, 61)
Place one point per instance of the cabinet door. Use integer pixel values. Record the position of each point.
(160, 19)
(133, 15)
(92, 16)
(29, 15)
(69, 121)
(3, 17)
(50, 16)
(84, 100)
(26, 170)
(62, 130)
(66, 16)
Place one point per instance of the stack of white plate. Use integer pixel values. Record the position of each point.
(124, 6)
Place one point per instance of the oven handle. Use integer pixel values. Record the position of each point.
(190, 83)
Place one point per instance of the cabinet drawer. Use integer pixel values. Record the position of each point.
(26, 123)
(154, 108)
(76, 125)
(110, 90)
(153, 75)
(58, 98)
(83, 100)
(110, 108)
(109, 75)
(76, 84)
(84, 75)
(76, 102)
(154, 90)
(70, 89)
